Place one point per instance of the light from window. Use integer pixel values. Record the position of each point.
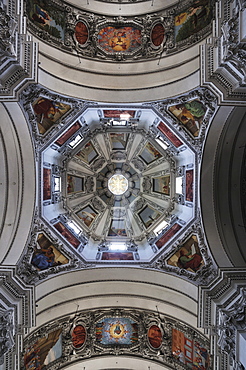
(75, 141)
(119, 123)
(117, 246)
(179, 185)
(125, 116)
(74, 227)
(160, 227)
(161, 143)
(57, 183)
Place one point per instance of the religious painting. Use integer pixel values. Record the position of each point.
(161, 184)
(155, 336)
(120, 39)
(189, 352)
(120, 331)
(78, 336)
(44, 351)
(168, 235)
(75, 184)
(46, 183)
(190, 114)
(157, 34)
(169, 134)
(81, 32)
(189, 185)
(46, 255)
(114, 256)
(148, 216)
(192, 20)
(117, 228)
(202, 358)
(188, 256)
(116, 113)
(149, 153)
(88, 153)
(48, 112)
(47, 16)
(67, 234)
(87, 215)
(70, 131)
(118, 141)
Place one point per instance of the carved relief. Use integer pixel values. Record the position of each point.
(224, 67)
(18, 55)
(7, 332)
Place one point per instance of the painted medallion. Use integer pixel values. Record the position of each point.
(157, 34)
(81, 33)
(155, 336)
(78, 336)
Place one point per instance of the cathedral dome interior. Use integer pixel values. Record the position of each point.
(122, 184)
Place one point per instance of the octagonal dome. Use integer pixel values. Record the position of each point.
(87, 162)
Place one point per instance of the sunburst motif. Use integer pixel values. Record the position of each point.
(117, 330)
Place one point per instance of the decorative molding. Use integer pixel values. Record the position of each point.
(7, 332)
(18, 53)
(17, 312)
(92, 323)
(224, 55)
(30, 95)
(203, 275)
(28, 273)
(207, 98)
(223, 313)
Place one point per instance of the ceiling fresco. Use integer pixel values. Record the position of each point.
(118, 184)
(120, 38)
(116, 331)
(105, 258)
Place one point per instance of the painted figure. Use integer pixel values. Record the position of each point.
(188, 260)
(78, 336)
(48, 112)
(47, 108)
(179, 355)
(155, 336)
(44, 258)
(190, 115)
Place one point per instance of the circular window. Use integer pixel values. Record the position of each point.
(118, 184)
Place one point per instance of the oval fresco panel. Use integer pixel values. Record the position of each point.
(81, 33)
(78, 336)
(155, 336)
(157, 34)
(112, 39)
